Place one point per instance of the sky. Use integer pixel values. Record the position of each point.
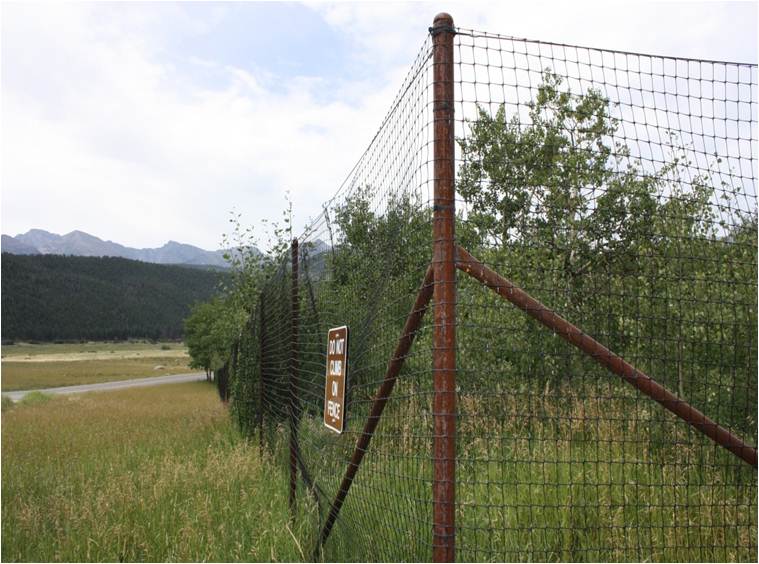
(147, 122)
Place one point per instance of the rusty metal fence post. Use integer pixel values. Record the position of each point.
(294, 320)
(443, 260)
(261, 326)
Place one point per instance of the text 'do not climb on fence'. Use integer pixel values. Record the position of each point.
(335, 382)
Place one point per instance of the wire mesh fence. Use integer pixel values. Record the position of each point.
(619, 190)
(360, 264)
(602, 324)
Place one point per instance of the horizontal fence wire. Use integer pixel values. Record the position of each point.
(619, 190)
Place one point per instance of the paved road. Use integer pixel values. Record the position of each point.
(106, 386)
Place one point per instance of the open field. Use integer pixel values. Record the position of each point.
(151, 474)
(91, 347)
(28, 366)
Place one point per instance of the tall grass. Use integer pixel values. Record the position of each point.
(153, 474)
(561, 477)
(160, 474)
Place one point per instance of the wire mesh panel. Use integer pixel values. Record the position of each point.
(619, 190)
(363, 262)
(360, 264)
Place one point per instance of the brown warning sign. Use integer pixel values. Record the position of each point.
(335, 382)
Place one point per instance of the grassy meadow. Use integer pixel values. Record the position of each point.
(162, 474)
(31, 366)
(149, 474)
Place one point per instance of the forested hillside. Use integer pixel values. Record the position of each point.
(49, 297)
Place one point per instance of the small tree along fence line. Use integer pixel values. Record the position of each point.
(547, 261)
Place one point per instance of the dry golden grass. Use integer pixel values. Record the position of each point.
(40, 375)
(26, 367)
(89, 347)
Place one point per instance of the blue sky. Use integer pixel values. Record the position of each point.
(286, 39)
(146, 122)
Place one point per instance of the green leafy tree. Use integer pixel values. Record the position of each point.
(210, 330)
(378, 260)
(631, 253)
(220, 333)
(557, 185)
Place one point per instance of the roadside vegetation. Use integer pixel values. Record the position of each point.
(32, 398)
(149, 474)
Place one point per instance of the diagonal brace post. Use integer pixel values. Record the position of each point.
(616, 364)
(413, 321)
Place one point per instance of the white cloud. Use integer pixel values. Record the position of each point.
(116, 142)
(106, 128)
(701, 29)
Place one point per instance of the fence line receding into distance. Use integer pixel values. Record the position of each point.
(581, 225)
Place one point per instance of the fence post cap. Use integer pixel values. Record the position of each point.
(442, 19)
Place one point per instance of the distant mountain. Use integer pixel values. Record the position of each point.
(79, 243)
(16, 247)
(39, 239)
(182, 253)
(49, 297)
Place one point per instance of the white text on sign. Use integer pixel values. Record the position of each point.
(335, 383)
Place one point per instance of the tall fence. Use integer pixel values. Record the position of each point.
(546, 259)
